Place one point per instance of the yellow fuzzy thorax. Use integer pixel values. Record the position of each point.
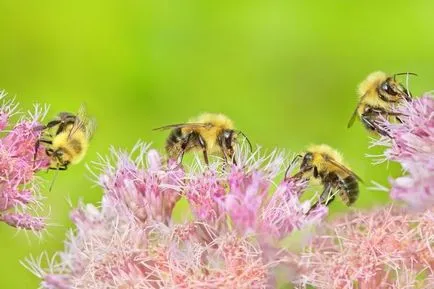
(323, 151)
(218, 122)
(216, 119)
(74, 146)
(368, 89)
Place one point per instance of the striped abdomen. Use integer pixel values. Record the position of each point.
(173, 143)
(349, 190)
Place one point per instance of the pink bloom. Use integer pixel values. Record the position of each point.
(411, 143)
(284, 212)
(18, 186)
(145, 194)
(131, 241)
(242, 193)
(386, 249)
(203, 191)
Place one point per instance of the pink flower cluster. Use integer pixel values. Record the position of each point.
(131, 241)
(388, 248)
(411, 143)
(18, 183)
(248, 203)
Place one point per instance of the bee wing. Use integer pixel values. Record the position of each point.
(81, 121)
(336, 164)
(90, 128)
(182, 125)
(353, 116)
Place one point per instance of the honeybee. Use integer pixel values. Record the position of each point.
(378, 94)
(66, 138)
(326, 164)
(210, 132)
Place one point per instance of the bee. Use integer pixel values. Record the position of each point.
(326, 164)
(210, 133)
(66, 138)
(378, 94)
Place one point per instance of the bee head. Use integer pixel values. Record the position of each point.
(228, 139)
(392, 91)
(307, 162)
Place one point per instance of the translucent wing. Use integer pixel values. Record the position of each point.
(90, 128)
(354, 115)
(336, 164)
(81, 121)
(184, 125)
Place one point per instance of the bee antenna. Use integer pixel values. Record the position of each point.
(291, 164)
(247, 139)
(404, 73)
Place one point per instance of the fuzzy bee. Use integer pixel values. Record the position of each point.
(210, 133)
(378, 94)
(66, 138)
(326, 164)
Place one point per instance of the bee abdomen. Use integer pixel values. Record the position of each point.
(173, 143)
(174, 137)
(351, 188)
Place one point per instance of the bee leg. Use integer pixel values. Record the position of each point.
(59, 168)
(369, 122)
(325, 197)
(384, 112)
(63, 125)
(37, 145)
(52, 123)
(227, 149)
(234, 161)
(205, 153)
(396, 115)
(222, 144)
(184, 145)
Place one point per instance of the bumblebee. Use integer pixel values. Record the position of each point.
(326, 164)
(378, 94)
(66, 138)
(210, 133)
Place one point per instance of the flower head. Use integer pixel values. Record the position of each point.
(247, 194)
(145, 194)
(387, 248)
(19, 161)
(411, 143)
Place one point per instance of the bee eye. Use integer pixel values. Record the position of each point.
(227, 134)
(388, 89)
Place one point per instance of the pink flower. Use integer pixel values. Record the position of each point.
(284, 212)
(18, 185)
(203, 191)
(131, 241)
(386, 248)
(241, 193)
(145, 194)
(411, 143)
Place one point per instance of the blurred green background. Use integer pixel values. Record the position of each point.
(284, 71)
